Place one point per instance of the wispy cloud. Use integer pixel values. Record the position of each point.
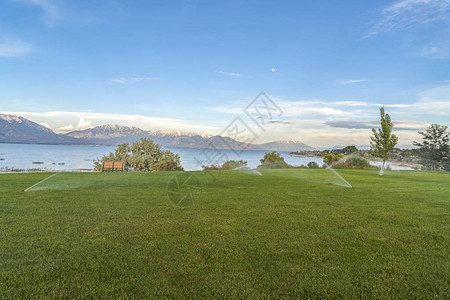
(52, 13)
(281, 122)
(352, 81)
(13, 48)
(439, 50)
(316, 109)
(406, 13)
(230, 74)
(123, 80)
(399, 125)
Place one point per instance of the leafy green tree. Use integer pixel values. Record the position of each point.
(331, 158)
(143, 156)
(383, 141)
(349, 150)
(273, 160)
(435, 149)
(312, 165)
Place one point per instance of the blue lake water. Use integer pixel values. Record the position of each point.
(64, 157)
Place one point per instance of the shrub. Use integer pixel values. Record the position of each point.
(211, 167)
(233, 164)
(228, 165)
(355, 163)
(331, 158)
(273, 160)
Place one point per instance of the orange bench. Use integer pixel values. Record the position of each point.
(113, 166)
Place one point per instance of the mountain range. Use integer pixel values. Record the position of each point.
(15, 129)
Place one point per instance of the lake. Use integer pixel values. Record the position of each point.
(70, 158)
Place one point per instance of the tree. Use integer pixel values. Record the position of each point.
(435, 149)
(312, 165)
(331, 158)
(273, 160)
(143, 156)
(383, 141)
(349, 150)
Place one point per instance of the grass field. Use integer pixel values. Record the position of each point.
(288, 233)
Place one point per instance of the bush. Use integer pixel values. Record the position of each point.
(228, 165)
(233, 164)
(211, 167)
(331, 158)
(313, 165)
(355, 163)
(142, 156)
(273, 160)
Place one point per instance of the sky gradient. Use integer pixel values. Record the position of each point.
(195, 65)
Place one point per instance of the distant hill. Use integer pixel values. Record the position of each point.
(283, 146)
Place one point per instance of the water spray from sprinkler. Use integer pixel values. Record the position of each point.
(248, 170)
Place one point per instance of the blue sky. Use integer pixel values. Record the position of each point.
(195, 65)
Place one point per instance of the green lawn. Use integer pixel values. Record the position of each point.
(286, 234)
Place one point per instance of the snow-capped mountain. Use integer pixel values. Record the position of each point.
(15, 129)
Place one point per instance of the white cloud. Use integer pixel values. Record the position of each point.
(13, 48)
(436, 51)
(52, 12)
(123, 80)
(406, 13)
(398, 124)
(230, 74)
(118, 80)
(66, 128)
(60, 120)
(83, 124)
(351, 81)
(391, 105)
(45, 124)
(351, 103)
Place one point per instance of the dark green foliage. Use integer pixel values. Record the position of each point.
(212, 167)
(312, 165)
(273, 160)
(233, 164)
(435, 148)
(228, 165)
(143, 156)
(349, 150)
(383, 141)
(355, 163)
